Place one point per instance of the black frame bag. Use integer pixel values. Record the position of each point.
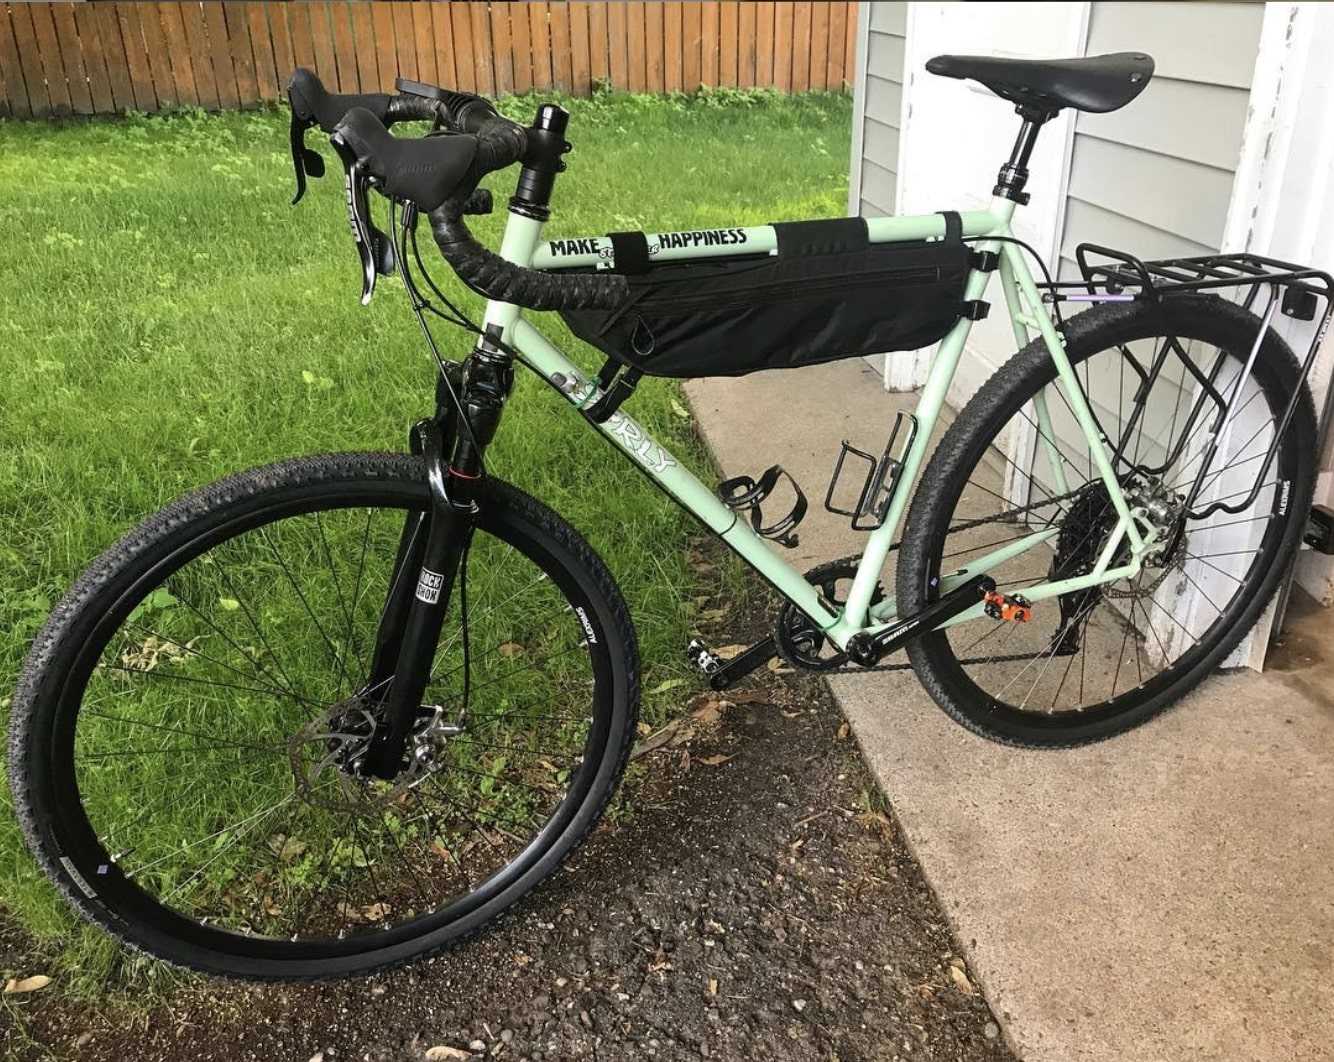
(827, 294)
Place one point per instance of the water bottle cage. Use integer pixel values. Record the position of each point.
(743, 494)
(882, 478)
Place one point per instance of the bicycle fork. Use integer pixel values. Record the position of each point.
(432, 547)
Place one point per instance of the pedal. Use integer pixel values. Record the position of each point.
(723, 674)
(701, 659)
(1010, 608)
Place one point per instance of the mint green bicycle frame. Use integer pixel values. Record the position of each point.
(523, 245)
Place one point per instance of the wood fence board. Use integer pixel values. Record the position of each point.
(672, 46)
(801, 48)
(783, 13)
(30, 60)
(709, 44)
(53, 63)
(745, 44)
(581, 70)
(655, 78)
(225, 77)
(243, 55)
(136, 56)
(363, 43)
(67, 37)
(521, 47)
(116, 56)
(819, 68)
(428, 48)
(405, 44)
(298, 33)
(94, 63)
(850, 46)
(16, 91)
(562, 56)
(838, 31)
(502, 56)
(345, 47)
(386, 59)
(449, 61)
(764, 44)
(616, 46)
(178, 44)
(599, 43)
(482, 50)
(636, 30)
(460, 41)
(158, 56)
(321, 38)
(691, 44)
(729, 18)
(267, 78)
(539, 37)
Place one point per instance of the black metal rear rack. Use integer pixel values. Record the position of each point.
(1110, 275)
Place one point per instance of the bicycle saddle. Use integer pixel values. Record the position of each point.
(426, 170)
(1096, 83)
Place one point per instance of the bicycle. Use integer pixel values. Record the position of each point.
(398, 692)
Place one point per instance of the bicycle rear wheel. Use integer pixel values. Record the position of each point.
(1098, 661)
(186, 732)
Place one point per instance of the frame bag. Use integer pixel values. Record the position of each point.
(828, 294)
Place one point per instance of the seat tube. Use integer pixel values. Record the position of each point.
(929, 405)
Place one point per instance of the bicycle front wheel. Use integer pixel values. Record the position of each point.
(187, 729)
(1098, 660)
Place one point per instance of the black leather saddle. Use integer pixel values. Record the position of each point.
(1096, 83)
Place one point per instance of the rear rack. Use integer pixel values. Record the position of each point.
(1297, 291)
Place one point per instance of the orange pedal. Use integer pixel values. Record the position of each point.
(1011, 608)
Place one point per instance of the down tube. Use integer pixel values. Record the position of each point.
(673, 477)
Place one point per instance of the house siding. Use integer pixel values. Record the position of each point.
(1156, 177)
(887, 28)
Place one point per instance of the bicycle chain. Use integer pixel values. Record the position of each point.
(850, 563)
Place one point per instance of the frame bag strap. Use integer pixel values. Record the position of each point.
(826, 236)
(953, 226)
(630, 252)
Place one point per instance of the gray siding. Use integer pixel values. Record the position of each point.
(1155, 178)
(884, 98)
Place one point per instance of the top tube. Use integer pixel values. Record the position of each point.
(760, 239)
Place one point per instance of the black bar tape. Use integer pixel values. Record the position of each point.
(494, 278)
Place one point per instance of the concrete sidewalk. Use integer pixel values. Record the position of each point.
(1168, 894)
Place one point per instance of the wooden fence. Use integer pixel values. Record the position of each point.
(95, 56)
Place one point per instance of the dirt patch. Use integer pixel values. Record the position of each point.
(755, 903)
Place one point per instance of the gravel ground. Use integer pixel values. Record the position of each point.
(756, 902)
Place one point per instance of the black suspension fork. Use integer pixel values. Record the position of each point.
(431, 548)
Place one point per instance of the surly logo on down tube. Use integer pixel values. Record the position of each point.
(632, 437)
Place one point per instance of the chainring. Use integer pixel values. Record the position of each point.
(798, 639)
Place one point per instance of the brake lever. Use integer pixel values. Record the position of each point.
(304, 160)
(374, 248)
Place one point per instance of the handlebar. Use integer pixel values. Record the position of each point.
(439, 174)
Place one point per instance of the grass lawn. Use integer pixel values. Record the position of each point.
(166, 318)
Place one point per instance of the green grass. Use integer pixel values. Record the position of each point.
(166, 318)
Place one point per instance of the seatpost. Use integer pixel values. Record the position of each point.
(1014, 174)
